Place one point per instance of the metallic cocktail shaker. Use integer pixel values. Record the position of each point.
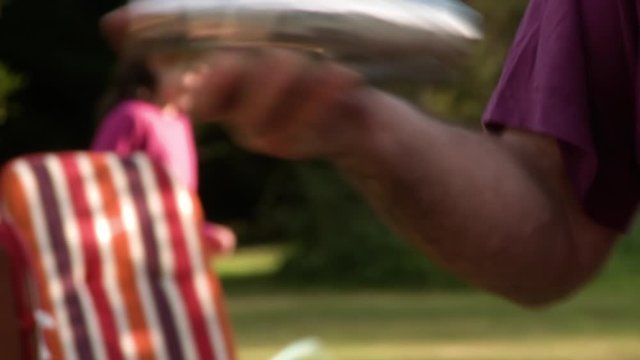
(385, 39)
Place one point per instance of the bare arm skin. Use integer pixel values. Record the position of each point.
(495, 210)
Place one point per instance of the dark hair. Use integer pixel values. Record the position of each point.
(132, 79)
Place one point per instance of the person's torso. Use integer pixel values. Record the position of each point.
(166, 137)
(611, 45)
(171, 142)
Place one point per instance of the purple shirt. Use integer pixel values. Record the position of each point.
(167, 137)
(572, 74)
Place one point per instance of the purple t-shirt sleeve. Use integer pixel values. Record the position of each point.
(569, 75)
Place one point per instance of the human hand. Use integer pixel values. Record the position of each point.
(282, 103)
(220, 239)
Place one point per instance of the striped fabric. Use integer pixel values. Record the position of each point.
(118, 259)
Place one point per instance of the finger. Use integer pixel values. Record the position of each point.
(325, 88)
(220, 85)
(316, 101)
(311, 121)
(114, 27)
(189, 82)
(271, 79)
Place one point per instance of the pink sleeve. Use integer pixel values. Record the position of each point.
(122, 132)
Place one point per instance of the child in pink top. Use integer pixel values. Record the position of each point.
(144, 114)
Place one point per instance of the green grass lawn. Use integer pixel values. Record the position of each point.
(602, 322)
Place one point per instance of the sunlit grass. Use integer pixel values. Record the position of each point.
(601, 322)
(548, 349)
(251, 262)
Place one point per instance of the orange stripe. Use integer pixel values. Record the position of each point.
(216, 290)
(18, 206)
(122, 256)
(223, 317)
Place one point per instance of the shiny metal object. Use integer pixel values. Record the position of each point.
(385, 39)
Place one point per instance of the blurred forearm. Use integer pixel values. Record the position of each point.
(497, 211)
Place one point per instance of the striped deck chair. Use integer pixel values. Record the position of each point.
(13, 327)
(117, 263)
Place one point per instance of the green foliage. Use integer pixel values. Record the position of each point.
(464, 101)
(623, 267)
(2, 4)
(9, 83)
(56, 46)
(232, 181)
(339, 241)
